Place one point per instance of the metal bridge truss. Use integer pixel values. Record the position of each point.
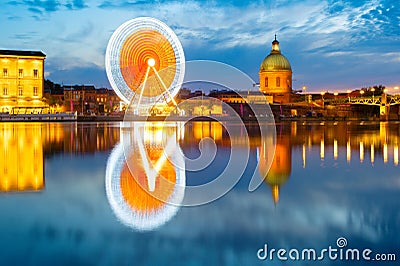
(373, 100)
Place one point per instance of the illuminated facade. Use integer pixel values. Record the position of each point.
(276, 75)
(21, 157)
(21, 81)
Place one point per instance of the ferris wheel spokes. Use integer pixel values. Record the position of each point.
(143, 87)
(165, 88)
(150, 66)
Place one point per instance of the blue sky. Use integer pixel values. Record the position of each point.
(330, 44)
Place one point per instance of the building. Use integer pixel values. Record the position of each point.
(86, 99)
(276, 75)
(22, 82)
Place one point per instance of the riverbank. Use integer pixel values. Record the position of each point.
(38, 117)
(119, 118)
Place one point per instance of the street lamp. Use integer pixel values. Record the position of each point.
(373, 93)
(322, 96)
(304, 88)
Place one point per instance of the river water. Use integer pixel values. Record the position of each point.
(68, 198)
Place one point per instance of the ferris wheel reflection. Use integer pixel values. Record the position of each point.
(145, 176)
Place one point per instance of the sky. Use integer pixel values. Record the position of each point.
(332, 45)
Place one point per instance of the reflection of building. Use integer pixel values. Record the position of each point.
(21, 81)
(276, 75)
(79, 138)
(281, 165)
(21, 157)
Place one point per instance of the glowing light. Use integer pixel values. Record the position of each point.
(396, 154)
(304, 156)
(137, 45)
(151, 62)
(322, 151)
(372, 153)
(361, 151)
(133, 204)
(335, 149)
(385, 153)
(348, 151)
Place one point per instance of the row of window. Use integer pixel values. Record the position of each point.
(21, 91)
(278, 82)
(21, 73)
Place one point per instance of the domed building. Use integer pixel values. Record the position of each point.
(276, 75)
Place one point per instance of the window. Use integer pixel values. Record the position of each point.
(5, 91)
(266, 82)
(20, 73)
(35, 73)
(20, 91)
(5, 72)
(35, 91)
(278, 81)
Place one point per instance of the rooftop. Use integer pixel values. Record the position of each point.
(22, 53)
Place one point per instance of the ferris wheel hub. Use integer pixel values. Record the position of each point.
(151, 62)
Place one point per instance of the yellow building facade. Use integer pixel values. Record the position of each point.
(276, 75)
(21, 81)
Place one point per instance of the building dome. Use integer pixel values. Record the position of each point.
(275, 61)
(276, 76)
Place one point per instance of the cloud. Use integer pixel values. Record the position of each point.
(313, 34)
(76, 4)
(25, 36)
(35, 10)
(228, 25)
(40, 7)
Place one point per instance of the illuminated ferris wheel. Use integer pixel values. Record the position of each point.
(145, 63)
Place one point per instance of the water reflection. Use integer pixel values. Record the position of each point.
(365, 139)
(145, 180)
(281, 167)
(320, 197)
(78, 138)
(372, 142)
(21, 157)
(23, 147)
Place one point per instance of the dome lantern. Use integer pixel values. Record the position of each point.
(275, 47)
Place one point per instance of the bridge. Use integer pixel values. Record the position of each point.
(383, 99)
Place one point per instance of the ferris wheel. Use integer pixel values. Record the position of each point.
(145, 63)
